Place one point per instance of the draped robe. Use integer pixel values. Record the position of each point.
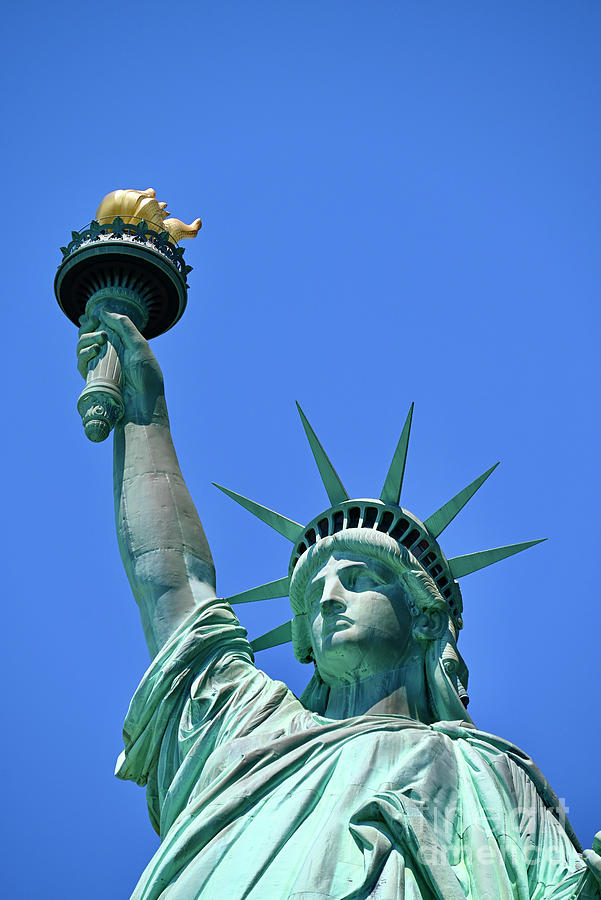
(256, 797)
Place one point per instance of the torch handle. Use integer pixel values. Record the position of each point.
(100, 404)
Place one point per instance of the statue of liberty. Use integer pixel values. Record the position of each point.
(375, 783)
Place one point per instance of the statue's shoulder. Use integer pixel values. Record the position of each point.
(497, 750)
(505, 757)
(463, 730)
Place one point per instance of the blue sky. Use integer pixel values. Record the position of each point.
(400, 203)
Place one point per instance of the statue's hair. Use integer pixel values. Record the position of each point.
(421, 592)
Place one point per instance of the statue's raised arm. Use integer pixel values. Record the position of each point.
(123, 279)
(161, 538)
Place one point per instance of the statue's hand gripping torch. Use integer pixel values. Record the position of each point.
(101, 403)
(127, 265)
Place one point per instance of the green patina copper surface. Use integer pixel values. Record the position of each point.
(256, 796)
(375, 783)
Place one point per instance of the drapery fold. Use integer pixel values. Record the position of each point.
(257, 797)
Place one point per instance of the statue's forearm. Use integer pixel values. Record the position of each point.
(161, 539)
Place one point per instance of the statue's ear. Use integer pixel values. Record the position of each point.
(301, 638)
(430, 624)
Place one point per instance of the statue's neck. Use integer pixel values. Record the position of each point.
(399, 692)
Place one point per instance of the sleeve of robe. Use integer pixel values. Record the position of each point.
(201, 691)
(556, 871)
(537, 835)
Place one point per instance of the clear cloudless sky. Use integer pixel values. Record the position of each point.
(401, 201)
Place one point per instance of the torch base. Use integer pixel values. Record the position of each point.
(100, 406)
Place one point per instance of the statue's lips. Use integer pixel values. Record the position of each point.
(337, 623)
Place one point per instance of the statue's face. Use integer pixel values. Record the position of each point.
(359, 619)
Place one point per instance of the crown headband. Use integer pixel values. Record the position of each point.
(384, 515)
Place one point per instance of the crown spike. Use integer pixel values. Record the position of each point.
(280, 635)
(471, 562)
(439, 520)
(267, 591)
(333, 485)
(391, 492)
(287, 527)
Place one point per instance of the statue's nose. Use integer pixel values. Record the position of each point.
(333, 598)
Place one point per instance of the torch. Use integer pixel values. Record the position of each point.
(127, 264)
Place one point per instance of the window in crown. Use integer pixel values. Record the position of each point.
(353, 517)
(370, 516)
(386, 521)
(411, 538)
(400, 528)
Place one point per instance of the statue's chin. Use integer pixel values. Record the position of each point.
(341, 657)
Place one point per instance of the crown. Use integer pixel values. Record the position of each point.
(383, 515)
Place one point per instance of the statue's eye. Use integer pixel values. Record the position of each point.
(357, 579)
(349, 577)
(364, 580)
